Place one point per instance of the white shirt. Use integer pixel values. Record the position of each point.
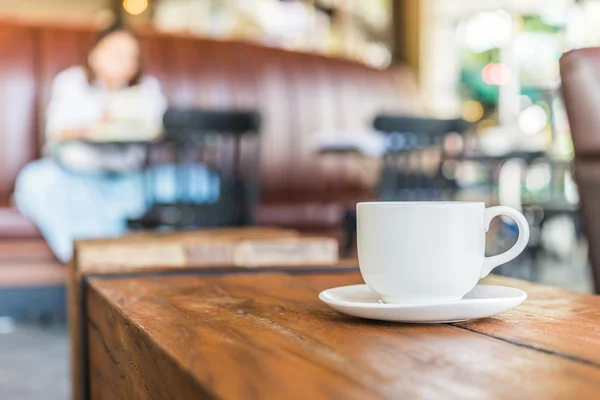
(75, 104)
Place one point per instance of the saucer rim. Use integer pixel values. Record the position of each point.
(522, 296)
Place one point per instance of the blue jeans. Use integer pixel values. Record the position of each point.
(67, 206)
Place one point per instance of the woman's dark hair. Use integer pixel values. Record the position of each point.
(117, 26)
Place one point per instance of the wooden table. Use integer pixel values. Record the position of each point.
(265, 334)
(186, 252)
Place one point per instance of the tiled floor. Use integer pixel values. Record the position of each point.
(33, 362)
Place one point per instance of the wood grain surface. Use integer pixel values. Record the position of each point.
(147, 250)
(149, 253)
(551, 319)
(268, 336)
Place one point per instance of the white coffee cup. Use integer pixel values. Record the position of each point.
(425, 252)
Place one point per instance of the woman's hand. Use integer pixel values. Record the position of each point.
(73, 134)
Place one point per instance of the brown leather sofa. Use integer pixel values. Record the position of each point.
(580, 75)
(297, 94)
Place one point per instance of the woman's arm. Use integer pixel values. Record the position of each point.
(70, 113)
(139, 118)
(154, 103)
(70, 134)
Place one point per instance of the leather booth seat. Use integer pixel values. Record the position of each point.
(297, 94)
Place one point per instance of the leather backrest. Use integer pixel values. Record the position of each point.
(580, 76)
(297, 94)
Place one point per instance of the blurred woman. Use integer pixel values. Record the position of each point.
(84, 189)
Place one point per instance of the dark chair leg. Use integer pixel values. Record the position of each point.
(349, 233)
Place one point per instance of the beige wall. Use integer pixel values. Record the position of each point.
(53, 8)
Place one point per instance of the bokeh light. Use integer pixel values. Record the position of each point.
(472, 111)
(524, 102)
(500, 74)
(485, 124)
(532, 119)
(538, 177)
(376, 55)
(496, 74)
(453, 144)
(467, 173)
(486, 74)
(487, 30)
(135, 7)
(449, 168)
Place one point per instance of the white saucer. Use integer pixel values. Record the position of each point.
(481, 302)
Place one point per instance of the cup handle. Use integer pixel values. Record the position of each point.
(489, 263)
